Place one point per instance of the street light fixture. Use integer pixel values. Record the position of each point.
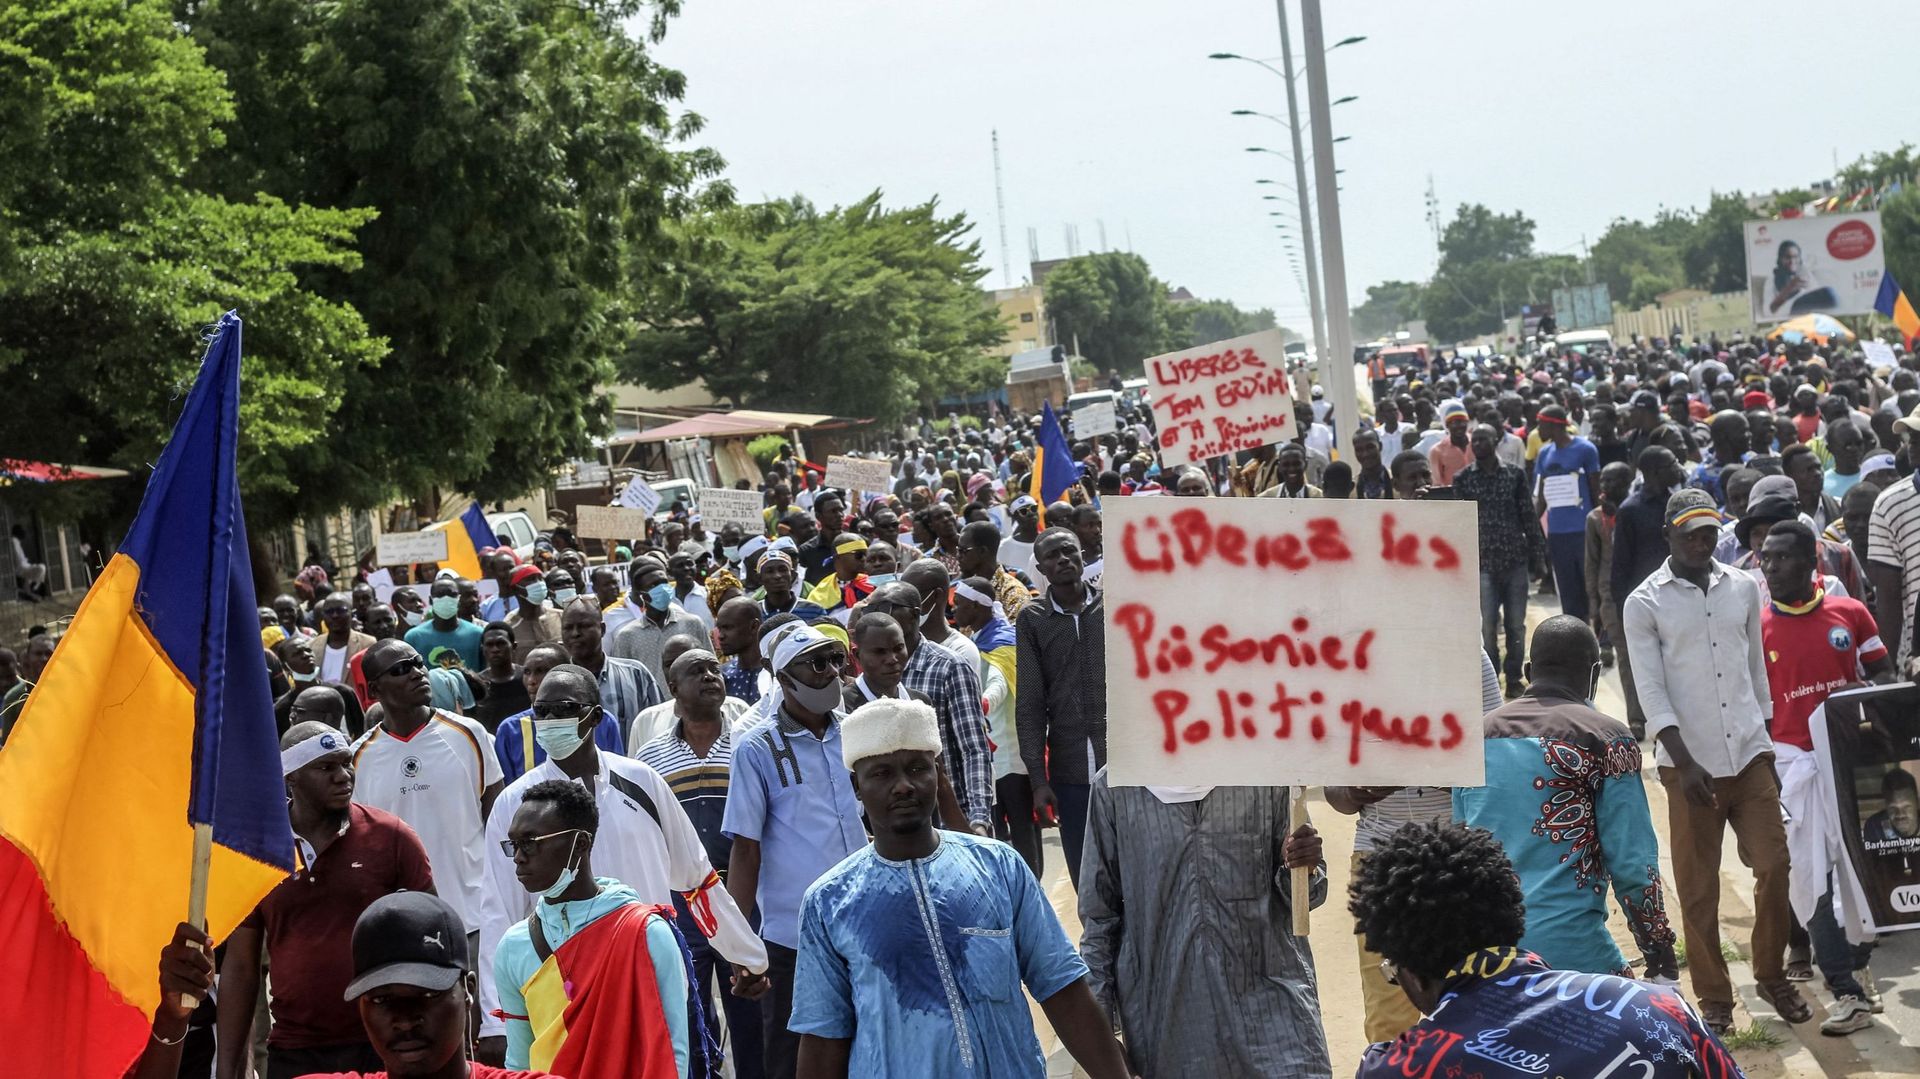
(1344, 100)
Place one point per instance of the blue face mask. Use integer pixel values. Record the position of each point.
(564, 596)
(559, 737)
(732, 554)
(446, 607)
(660, 596)
(566, 878)
(878, 579)
(537, 593)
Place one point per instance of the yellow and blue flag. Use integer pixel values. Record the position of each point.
(152, 717)
(1053, 467)
(467, 535)
(1893, 303)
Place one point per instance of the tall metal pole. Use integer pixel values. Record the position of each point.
(1340, 391)
(1319, 327)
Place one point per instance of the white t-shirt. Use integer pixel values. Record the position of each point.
(958, 643)
(434, 781)
(1016, 555)
(333, 664)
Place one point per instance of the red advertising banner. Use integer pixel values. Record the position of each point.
(1272, 642)
(1221, 398)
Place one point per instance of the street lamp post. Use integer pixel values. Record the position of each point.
(1314, 306)
(1341, 389)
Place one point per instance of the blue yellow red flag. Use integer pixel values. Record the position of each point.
(152, 716)
(1893, 303)
(1053, 467)
(467, 535)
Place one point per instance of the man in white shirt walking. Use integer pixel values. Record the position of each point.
(1693, 627)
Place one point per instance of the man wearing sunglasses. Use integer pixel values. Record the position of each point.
(644, 840)
(431, 768)
(792, 815)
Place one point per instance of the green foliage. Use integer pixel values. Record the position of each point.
(969, 423)
(765, 449)
(858, 310)
(1389, 304)
(523, 160)
(1758, 1034)
(1900, 221)
(1714, 253)
(112, 266)
(1203, 322)
(1115, 306)
(1477, 234)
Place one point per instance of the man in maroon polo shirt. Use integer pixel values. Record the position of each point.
(350, 855)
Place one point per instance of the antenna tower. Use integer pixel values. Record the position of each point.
(1000, 201)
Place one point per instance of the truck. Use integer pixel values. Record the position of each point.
(1038, 376)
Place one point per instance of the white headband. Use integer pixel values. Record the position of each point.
(962, 588)
(307, 750)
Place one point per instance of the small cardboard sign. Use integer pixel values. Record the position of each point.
(1221, 398)
(610, 522)
(874, 476)
(1095, 419)
(637, 495)
(722, 506)
(410, 548)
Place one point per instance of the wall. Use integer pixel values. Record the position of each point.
(1024, 312)
(1724, 314)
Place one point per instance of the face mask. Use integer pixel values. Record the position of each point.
(445, 607)
(537, 593)
(413, 618)
(660, 596)
(567, 875)
(821, 700)
(732, 553)
(559, 737)
(564, 596)
(307, 677)
(878, 579)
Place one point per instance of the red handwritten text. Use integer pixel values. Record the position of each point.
(1236, 711)
(1151, 547)
(1219, 646)
(1194, 368)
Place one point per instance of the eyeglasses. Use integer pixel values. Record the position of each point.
(405, 666)
(514, 847)
(825, 661)
(559, 709)
(1390, 971)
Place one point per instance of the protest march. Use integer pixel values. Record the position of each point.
(713, 635)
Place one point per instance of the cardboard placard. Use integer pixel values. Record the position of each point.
(637, 495)
(610, 522)
(410, 548)
(874, 476)
(1221, 398)
(1248, 644)
(1095, 419)
(1879, 354)
(722, 506)
(382, 583)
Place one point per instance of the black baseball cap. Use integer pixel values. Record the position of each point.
(408, 938)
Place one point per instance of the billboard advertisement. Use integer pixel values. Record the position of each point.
(1582, 307)
(1830, 264)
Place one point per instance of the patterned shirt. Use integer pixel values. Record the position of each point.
(1504, 1012)
(741, 682)
(1563, 795)
(953, 686)
(1509, 527)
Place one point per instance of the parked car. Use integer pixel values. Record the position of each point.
(515, 529)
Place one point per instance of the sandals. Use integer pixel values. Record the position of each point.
(1718, 1018)
(1786, 1000)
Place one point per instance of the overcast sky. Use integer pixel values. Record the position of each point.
(1110, 112)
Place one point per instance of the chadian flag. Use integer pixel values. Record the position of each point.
(1053, 467)
(467, 535)
(153, 717)
(1892, 302)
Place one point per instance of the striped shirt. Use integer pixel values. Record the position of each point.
(1893, 539)
(698, 783)
(953, 685)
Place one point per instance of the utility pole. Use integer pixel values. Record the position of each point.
(1321, 343)
(1340, 389)
(1000, 202)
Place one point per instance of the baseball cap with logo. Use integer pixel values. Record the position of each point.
(1691, 509)
(408, 938)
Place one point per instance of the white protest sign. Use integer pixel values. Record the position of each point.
(610, 522)
(489, 588)
(1561, 490)
(723, 506)
(1221, 398)
(408, 548)
(1254, 642)
(382, 583)
(874, 476)
(638, 496)
(1095, 419)
(1879, 354)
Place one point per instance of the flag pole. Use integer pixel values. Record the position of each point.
(197, 892)
(1302, 875)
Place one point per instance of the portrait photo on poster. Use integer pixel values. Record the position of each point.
(1872, 741)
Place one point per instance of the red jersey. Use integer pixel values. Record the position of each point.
(1810, 653)
(474, 1071)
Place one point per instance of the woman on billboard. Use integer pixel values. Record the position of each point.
(1793, 284)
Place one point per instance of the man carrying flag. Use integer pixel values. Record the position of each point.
(144, 762)
(1053, 468)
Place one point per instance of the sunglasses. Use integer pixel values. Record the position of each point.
(405, 666)
(826, 661)
(559, 710)
(514, 847)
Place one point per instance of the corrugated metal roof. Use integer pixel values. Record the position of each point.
(737, 424)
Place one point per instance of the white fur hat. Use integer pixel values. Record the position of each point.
(888, 725)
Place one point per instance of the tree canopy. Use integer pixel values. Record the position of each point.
(857, 310)
(1201, 322)
(1114, 306)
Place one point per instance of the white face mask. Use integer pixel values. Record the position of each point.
(566, 878)
(413, 618)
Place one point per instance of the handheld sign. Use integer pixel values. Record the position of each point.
(1221, 398)
(610, 522)
(1879, 354)
(381, 581)
(1272, 642)
(1095, 419)
(637, 495)
(723, 506)
(409, 548)
(860, 474)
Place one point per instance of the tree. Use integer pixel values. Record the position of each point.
(1900, 225)
(1115, 306)
(523, 160)
(1389, 305)
(1203, 322)
(858, 310)
(1477, 234)
(112, 267)
(1714, 255)
(1632, 257)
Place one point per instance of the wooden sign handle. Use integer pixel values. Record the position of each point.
(1302, 875)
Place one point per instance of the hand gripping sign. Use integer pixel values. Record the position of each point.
(1278, 642)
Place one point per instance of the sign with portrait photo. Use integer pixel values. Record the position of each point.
(1870, 759)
